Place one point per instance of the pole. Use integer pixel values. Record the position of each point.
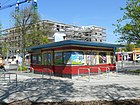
(134, 55)
(122, 59)
(34, 4)
(134, 51)
(0, 29)
(16, 12)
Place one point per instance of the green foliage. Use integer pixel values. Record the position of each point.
(138, 44)
(37, 36)
(130, 47)
(30, 31)
(128, 27)
(22, 68)
(134, 71)
(4, 49)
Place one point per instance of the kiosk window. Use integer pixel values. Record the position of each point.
(58, 58)
(39, 59)
(112, 57)
(67, 57)
(49, 58)
(36, 59)
(102, 57)
(45, 58)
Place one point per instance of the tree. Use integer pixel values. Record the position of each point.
(129, 47)
(4, 49)
(128, 27)
(138, 43)
(31, 33)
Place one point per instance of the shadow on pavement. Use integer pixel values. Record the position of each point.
(37, 90)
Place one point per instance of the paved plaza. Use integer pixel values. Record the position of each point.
(32, 87)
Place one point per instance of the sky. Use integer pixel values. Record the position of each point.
(102, 13)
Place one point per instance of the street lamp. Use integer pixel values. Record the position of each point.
(134, 55)
(122, 51)
(134, 51)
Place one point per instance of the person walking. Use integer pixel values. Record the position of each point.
(2, 64)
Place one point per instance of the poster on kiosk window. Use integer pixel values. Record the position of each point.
(77, 58)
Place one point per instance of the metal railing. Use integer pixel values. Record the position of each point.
(107, 69)
(98, 72)
(5, 75)
(87, 69)
(48, 71)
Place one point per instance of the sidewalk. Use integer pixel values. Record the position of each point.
(56, 89)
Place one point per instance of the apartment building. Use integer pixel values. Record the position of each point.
(64, 31)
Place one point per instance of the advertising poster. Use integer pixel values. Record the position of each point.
(77, 58)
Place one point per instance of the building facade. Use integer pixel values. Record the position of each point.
(59, 32)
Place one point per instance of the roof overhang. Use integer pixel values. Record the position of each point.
(75, 43)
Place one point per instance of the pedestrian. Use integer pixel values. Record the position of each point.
(2, 64)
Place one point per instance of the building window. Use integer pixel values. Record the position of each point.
(112, 58)
(75, 58)
(58, 58)
(45, 58)
(36, 59)
(88, 57)
(39, 59)
(102, 57)
(67, 57)
(49, 58)
(94, 61)
(95, 39)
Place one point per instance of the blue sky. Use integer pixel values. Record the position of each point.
(101, 13)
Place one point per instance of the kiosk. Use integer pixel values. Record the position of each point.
(64, 58)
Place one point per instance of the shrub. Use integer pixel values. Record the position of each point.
(22, 68)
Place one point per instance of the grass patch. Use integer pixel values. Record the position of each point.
(134, 71)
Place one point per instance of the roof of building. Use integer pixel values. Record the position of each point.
(74, 43)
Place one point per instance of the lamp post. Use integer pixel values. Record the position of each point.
(122, 58)
(134, 55)
(134, 50)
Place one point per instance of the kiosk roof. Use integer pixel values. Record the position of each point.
(75, 42)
